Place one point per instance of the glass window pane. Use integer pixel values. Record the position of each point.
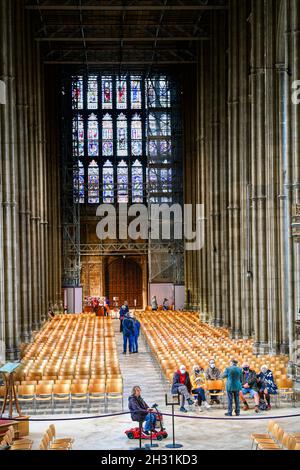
(122, 150)
(136, 136)
(93, 183)
(136, 93)
(107, 136)
(78, 183)
(92, 95)
(77, 92)
(78, 136)
(93, 136)
(122, 182)
(121, 90)
(137, 182)
(107, 92)
(108, 183)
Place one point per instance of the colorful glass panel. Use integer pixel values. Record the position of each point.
(107, 95)
(78, 183)
(93, 136)
(122, 150)
(136, 93)
(93, 183)
(107, 136)
(137, 182)
(77, 93)
(136, 136)
(92, 94)
(108, 182)
(122, 182)
(121, 90)
(78, 136)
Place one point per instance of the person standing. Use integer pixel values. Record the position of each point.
(165, 304)
(123, 311)
(137, 328)
(154, 304)
(128, 333)
(233, 374)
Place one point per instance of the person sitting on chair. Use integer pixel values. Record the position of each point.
(182, 386)
(266, 385)
(213, 373)
(249, 386)
(140, 411)
(198, 380)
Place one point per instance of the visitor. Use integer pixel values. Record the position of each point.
(233, 374)
(213, 373)
(266, 385)
(137, 327)
(198, 380)
(165, 304)
(182, 386)
(140, 411)
(154, 304)
(128, 333)
(249, 387)
(123, 310)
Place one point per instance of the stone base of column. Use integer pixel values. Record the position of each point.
(12, 354)
(235, 334)
(284, 348)
(25, 337)
(261, 348)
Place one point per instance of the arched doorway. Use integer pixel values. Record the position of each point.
(123, 279)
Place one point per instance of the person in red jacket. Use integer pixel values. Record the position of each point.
(182, 385)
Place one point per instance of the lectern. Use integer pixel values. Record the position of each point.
(10, 396)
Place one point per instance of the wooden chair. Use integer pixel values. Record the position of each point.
(26, 394)
(79, 393)
(217, 385)
(286, 390)
(53, 438)
(61, 394)
(97, 393)
(43, 393)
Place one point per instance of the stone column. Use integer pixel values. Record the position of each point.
(10, 260)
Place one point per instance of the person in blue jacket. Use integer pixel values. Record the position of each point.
(128, 333)
(234, 376)
(137, 327)
(123, 310)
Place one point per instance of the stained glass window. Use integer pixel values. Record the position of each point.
(93, 183)
(107, 136)
(121, 90)
(122, 150)
(150, 93)
(92, 94)
(107, 98)
(77, 93)
(108, 182)
(78, 136)
(136, 93)
(136, 136)
(137, 182)
(164, 93)
(122, 182)
(79, 183)
(93, 136)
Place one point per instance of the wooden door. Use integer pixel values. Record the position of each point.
(124, 280)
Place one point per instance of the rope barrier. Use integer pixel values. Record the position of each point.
(207, 418)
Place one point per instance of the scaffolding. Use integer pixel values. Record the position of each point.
(162, 183)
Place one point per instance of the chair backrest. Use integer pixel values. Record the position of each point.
(215, 385)
(97, 387)
(44, 389)
(52, 430)
(46, 382)
(61, 389)
(285, 383)
(79, 388)
(271, 425)
(26, 390)
(291, 443)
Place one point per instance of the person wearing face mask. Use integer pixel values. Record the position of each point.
(198, 380)
(213, 373)
(249, 386)
(182, 386)
(266, 385)
(233, 374)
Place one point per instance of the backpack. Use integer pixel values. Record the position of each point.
(262, 405)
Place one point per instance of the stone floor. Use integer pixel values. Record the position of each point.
(195, 434)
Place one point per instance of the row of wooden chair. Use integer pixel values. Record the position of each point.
(75, 350)
(50, 442)
(275, 439)
(10, 441)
